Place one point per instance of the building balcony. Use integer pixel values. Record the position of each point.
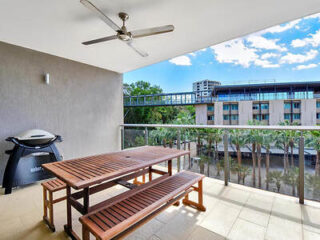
(233, 212)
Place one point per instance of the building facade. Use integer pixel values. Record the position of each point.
(269, 104)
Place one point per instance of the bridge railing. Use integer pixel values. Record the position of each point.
(282, 159)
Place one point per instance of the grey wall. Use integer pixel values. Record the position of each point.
(218, 113)
(245, 112)
(308, 112)
(201, 114)
(276, 112)
(83, 104)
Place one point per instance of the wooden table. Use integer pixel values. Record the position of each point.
(96, 173)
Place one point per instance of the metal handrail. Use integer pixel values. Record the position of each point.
(249, 127)
(301, 129)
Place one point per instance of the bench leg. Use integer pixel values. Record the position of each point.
(48, 203)
(199, 204)
(51, 210)
(85, 233)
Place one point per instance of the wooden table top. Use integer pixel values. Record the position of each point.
(87, 171)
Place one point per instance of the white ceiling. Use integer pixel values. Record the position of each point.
(59, 26)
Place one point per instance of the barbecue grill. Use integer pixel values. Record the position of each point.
(34, 147)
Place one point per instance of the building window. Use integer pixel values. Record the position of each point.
(225, 107)
(318, 115)
(287, 116)
(318, 104)
(234, 117)
(296, 105)
(225, 117)
(264, 106)
(296, 116)
(256, 117)
(265, 116)
(287, 105)
(234, 106)
(210, 108)
(255, 106)
(210, 117)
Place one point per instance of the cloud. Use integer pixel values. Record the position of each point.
(195, 53)
(301, 67)
(264, 43)
(181, 61)
(235, 52)
(269, 55)
(313, 40)
(317, 15)
(281, 28)
(299, 58)
(265, 64)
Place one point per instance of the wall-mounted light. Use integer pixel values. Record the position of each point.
(47, 78)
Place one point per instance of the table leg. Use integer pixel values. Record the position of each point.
(170, 167)
(68, 226)
(86, 195)
(150, 174)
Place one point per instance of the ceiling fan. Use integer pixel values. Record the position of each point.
(122, 32)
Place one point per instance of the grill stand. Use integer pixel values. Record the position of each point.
(19, 151)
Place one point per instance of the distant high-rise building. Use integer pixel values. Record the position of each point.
(204, 87)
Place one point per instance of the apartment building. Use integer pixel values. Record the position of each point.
(269, 103)
(204, 87)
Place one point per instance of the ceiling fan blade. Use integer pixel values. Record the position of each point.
(100, 40)
(139, 51)
(98, 12)
(152, 31)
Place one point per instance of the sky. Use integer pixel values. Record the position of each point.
(285, 53)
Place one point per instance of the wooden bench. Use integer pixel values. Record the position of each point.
(131, 209)
(50, 187)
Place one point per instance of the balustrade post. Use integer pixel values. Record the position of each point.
(226, 158)
(179, 147)
(301, 169)
(146, 136)
(122, 137)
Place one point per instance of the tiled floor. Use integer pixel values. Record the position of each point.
(233, 212)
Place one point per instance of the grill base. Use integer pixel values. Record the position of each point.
(29, 171)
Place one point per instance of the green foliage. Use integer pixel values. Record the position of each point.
(139, 141)
(275, 177)
(168, 114)
(312, 183)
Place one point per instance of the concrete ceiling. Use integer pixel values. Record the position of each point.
(58, 27)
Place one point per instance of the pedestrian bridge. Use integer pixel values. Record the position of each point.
(169, 99)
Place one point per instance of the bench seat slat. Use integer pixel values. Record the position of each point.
(131, 210)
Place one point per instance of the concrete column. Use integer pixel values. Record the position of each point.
(245, 112)
(218, 113)
(201, 114)
(276, 112)
(308, 112)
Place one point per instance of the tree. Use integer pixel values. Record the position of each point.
(238, 139)
(217, 137)
(282, 141)
(150, 114)
(313, 140)
(313, 185)
(292, 178)
(251, 138)
(276, 178)
(268, 139)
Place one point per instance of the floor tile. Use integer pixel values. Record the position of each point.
(204, 234)
(283, 229)
(244, 230)
(220, 219)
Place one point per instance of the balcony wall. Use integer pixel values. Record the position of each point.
(82, 103)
